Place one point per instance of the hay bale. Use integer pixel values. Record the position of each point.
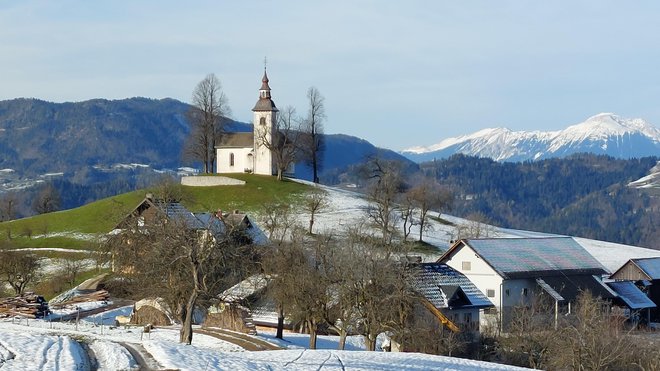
(150, 315)
(230, 316)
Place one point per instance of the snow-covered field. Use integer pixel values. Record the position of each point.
(44, 345)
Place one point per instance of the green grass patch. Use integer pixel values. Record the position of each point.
(441, 221)
(423, 247)
(103, 215)
(250, 197)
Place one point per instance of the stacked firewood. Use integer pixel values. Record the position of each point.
(100, 295)
(27, 305)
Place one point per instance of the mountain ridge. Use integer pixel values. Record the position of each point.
(604, 133)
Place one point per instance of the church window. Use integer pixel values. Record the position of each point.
(231, 159)
(262, 121)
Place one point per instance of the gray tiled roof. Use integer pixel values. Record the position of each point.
(650, 266)
(236, 140)
(535, 257)
(631, 295)
(176, 211)
(265, 104)
(438, 282)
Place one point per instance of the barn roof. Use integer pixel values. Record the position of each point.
(650, 266)
(532, 257)
(569, 287)
(632, 296)
(445, 287)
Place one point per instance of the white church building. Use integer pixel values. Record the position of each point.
(245, 152)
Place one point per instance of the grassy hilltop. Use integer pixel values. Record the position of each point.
(75, 228)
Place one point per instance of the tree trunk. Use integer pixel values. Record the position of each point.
(280, 322)
(342, 339)
(311, 222)
(186, 333)
(422, 221)
(311, 327)
(369, 343)
(279, 174)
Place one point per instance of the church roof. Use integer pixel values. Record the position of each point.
(265, 104)
(236, 140)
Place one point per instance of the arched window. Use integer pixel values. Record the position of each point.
(231, 159)
(262, 121)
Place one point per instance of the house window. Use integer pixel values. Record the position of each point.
(467, 266)
(490, 293)
(231, 159)
(508, 292)
(524, 292)
(467, 317)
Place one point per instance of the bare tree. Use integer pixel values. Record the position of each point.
(428, 195)
(47, 201)
(284, 144)
(182, 265)
(18, 269)
(278, 221)
(8, 205)
(209, 107)
(385, 185)
(312, 144)
(476, 226)
(315, 202)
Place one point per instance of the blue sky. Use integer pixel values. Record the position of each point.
(396, 73)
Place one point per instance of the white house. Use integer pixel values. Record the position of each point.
(246, 152)
(511, 271)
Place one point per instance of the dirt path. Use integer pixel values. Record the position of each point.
(143, 359)
(244, 341)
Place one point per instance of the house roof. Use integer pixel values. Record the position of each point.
(176, 211)
(532, 257)
(569, 287)
(650, 266)
(245, 289)
(236, 140)
(440, 283)
(632, 296)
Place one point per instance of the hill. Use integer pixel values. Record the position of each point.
(581, 195)
(602, 134)
(79, 227)
(99, 148)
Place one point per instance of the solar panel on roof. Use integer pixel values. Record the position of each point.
(431, 278)
(520, 256)
(631, 295)
(650, 266)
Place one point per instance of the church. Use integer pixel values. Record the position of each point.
(245, 152)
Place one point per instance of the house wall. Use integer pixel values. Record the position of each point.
(242, 162)
(505, 294)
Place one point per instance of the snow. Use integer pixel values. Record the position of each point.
(609, 133)
(112, 356)
(27, 351)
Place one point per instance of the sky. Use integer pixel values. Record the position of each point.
(396, 73)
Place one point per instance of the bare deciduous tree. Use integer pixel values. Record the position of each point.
(278, 221)
(312, 129)
(284, 145)
(209, 107)
(385, 185)
(182, 265)
(315, 202)
(8, 205)
(47, 201)
(476, 227)
(18, 269)
(428, 195)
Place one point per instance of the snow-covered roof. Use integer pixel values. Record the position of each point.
(438, 283)
(532, 257)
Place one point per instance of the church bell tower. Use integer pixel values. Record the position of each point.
(265, 114)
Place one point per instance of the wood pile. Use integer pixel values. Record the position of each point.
(100, 295)
(27, 305)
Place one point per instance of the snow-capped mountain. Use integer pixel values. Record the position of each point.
(605, 133)
(652, 180)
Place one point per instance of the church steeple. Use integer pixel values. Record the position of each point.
(265, 103)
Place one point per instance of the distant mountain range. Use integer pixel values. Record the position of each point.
(97, 140)
(605, 133)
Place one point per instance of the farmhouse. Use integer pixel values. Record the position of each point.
(512, 271)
